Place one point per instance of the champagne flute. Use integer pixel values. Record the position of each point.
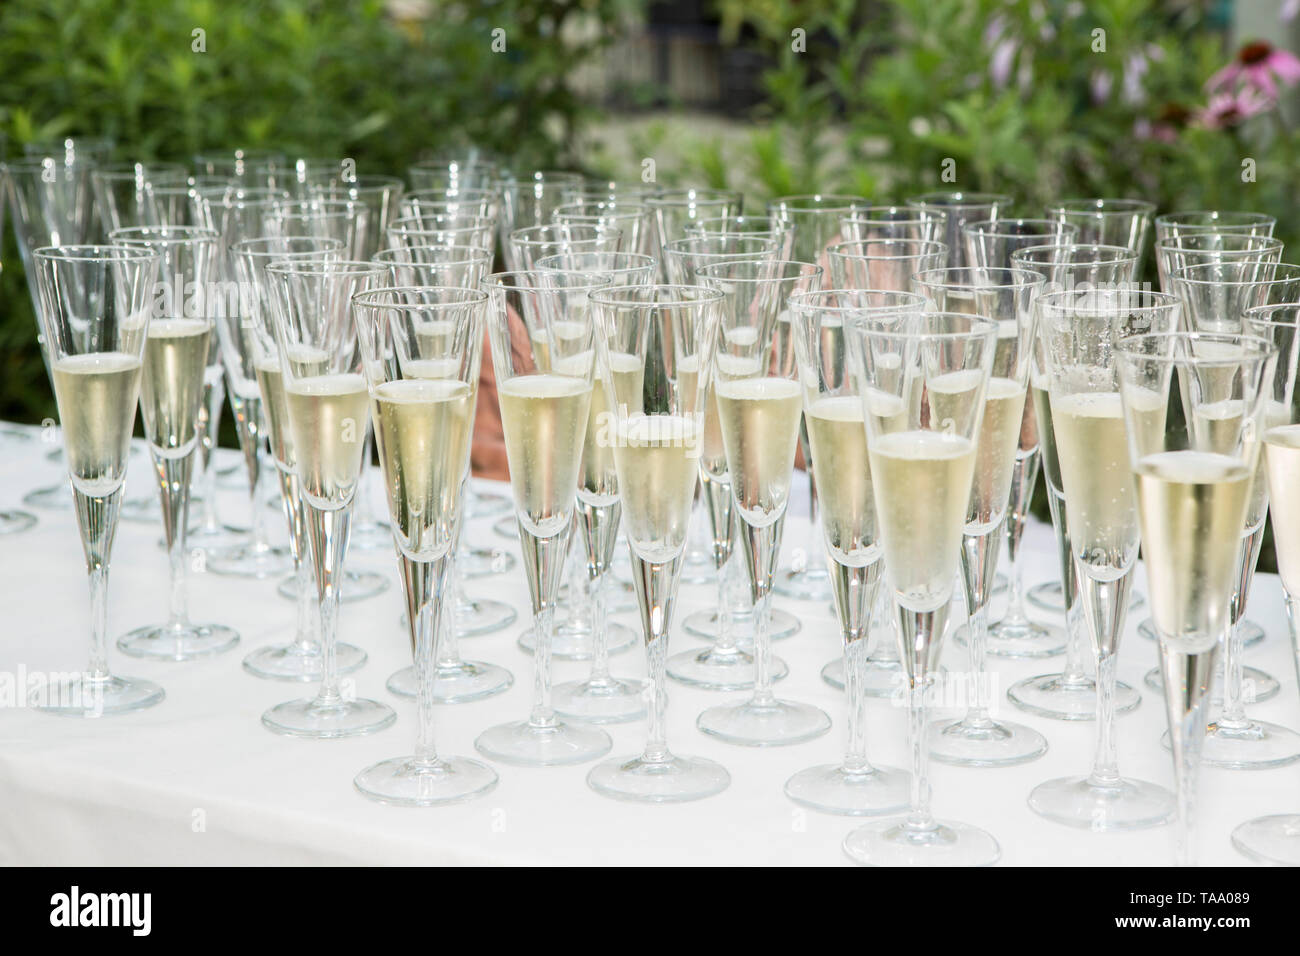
(1071, 693)
(1174, 224)
(472, 204)
(529, 199)
(94, 315)
(1079, 333)
(524, 246)
(885, 265)
(815, 219)
(12, 521)
(250, 341)
(124, 192)
(379, 199)
(922, 469)
(171, 395)
(1194, 467)
(599, 189)
(1216, 297)
(543, 353)
(675, 209)
(655, 441)
(634, 220)
(1110, 222)
(769, 227)
(453, 170)
(601, 697)
(1197, 248)
(422, 393)
(837, 433)
(251, 166)
(1276, 838)
(759, 410)
(895, 222)
(961, 208)
(1004, 296)
(327, 406)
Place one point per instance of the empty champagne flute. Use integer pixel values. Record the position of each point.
(922, 468)
(327, 405)
(1110, 222)
(769, 227)
(884, 265)
(675, 209)
(655, 440)
(895, 222)
(94, 315)
(524, 246)
(1173, 224)
(1198, 248)
(1194, 411)
(543, 353)
(634, 220)
(1080, 333)
(421, 350)
(759, 410)
(124, 192)
(833, 410)
(960, 208)
(171, 395)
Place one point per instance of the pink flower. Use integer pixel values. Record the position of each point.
(1099, 85)
(1258, 66)
(1289, 10)
(1159, 132)
(1002, 61)
(1230, 109)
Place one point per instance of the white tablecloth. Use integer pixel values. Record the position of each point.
(199, 780)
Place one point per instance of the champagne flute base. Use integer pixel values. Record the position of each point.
(1251, 633)
(142, 510)
(553, 744)
(483, 562)
(186, 643)
(1123, 804)
(329, 719)
(251, 560)
(1257, 686)
(771, 723)
(1052, 696)
(986, 743)
(576, 645)
(210, 541)
(232, 477)
(84, 696)
(832, 789)
(880, 678)
(456, 683)
(704, 624)
(945, 843)
(606, 700)
(415, 782)
(670, 780)
(807, 584)
(697, 568)
(1256, 745)
(482, 616)
(50, 498)
(507, 527)
(1050, 596)
(488, 504)
(1020, 639)
(13, 522)
(1273, 839)
(716, 669)
(296, 662)
(370, 535)
(356, 586)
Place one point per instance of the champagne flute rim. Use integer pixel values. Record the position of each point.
(680, 245)
(993, 227)
(778, 224)
(588, 280)
(308, 267)
(1121, 253)
(368, 181)
(473, 254)
(435, 194)
(1256, 313)
(639, 296)
(630, 208)
(531, 235)
(135, 170)
(1266, 243)
(979, 328)
(979, 278)
(1191, 274)
(640, 262)
(378, 297)
(929, 247)
(97, 252)
(723, 270)
(260, 246)
(959, 199)
(695, 196)
(418, 220)
(1094, 206)
(162, 235)
(817, 202)
(582, 218)
(1240, 217)
(1130, 301)
(917, 214)
(808, 301)
(41, 163)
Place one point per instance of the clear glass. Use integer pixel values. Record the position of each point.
(94, 315)
(895, 222)
(327, 408)
(658, 332)
(423, 388)
(1004, 296)
(176, 360)
(543, 354)
(759, 414)
(1112, 222)
(1078, 335)
(895, 361)
(1200, 248)
(960, 208)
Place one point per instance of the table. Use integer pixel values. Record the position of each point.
(198, 780)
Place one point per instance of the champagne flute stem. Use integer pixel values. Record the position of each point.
(917, 633)
(213, 395)
(1022, 489)
(599, 525)
(762, 546)
(427, 581)
(174, 485)
(1293, 625)
(544, 560)
(656, 591)
(259, 497)
(1104, 605)
(292, 506)
(1234, 703)
(543, 714)
(1073, 672)
(97, 519)
(726, 633)
(327, 536)
(979, 563)
(448, 642)
(1188, 673)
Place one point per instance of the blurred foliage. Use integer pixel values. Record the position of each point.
(380, 83)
